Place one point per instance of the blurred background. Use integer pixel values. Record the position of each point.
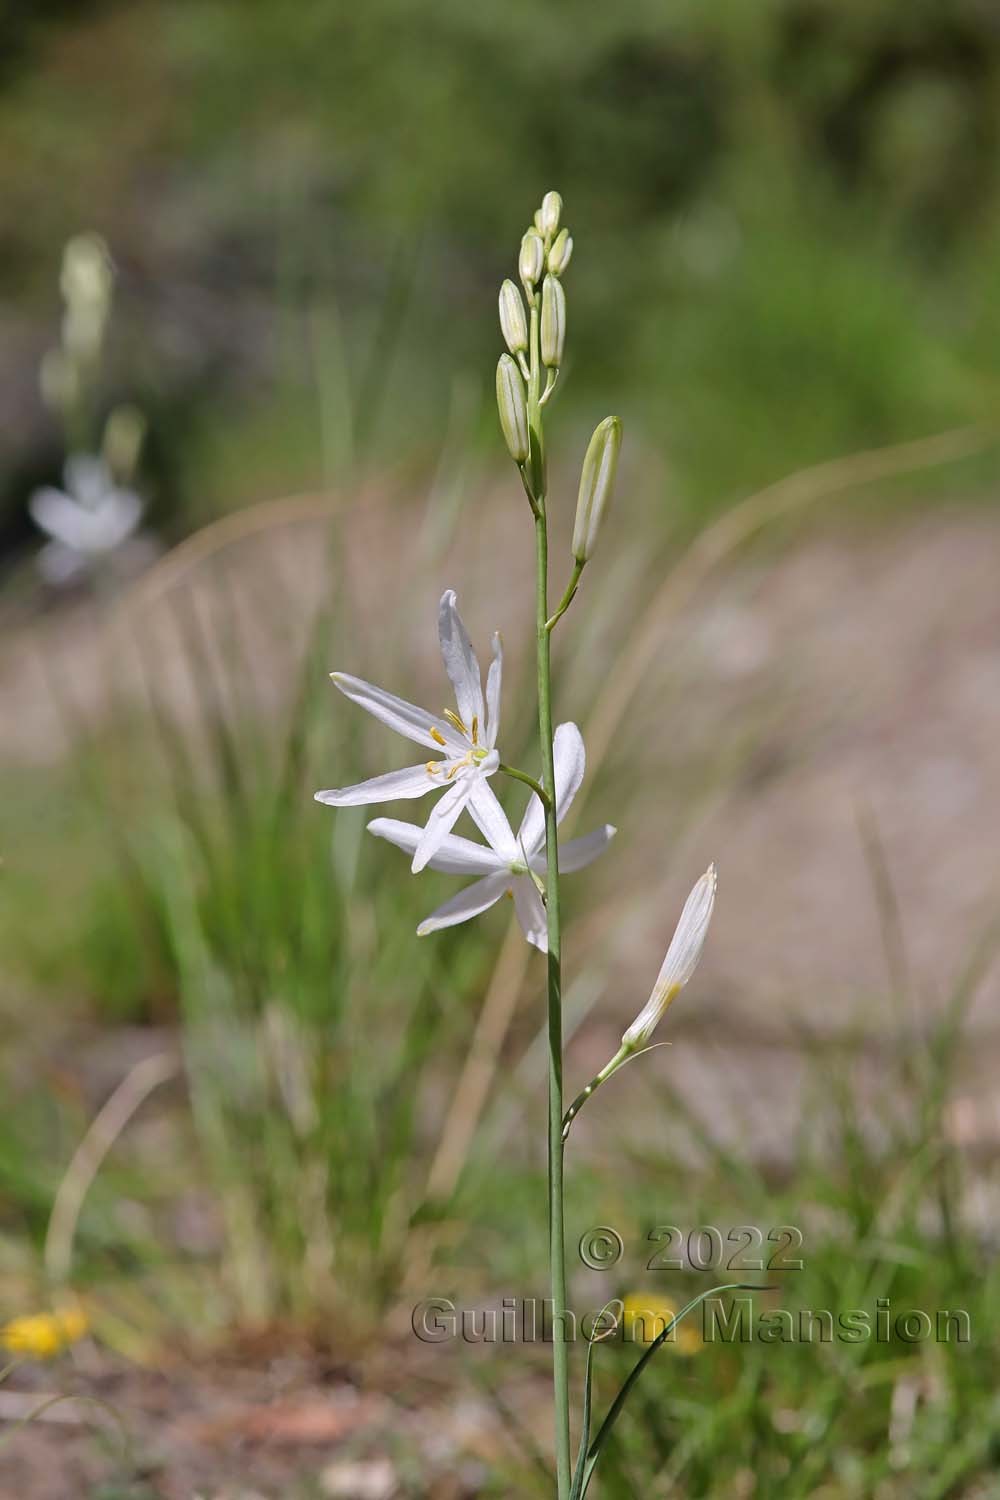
(249, 256)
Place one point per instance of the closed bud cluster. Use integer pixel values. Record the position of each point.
(513, 322)
(559, 252)
(531, 261)
(553, 330)
(513, 406)
(597, 481)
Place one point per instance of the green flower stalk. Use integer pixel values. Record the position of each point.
(465, 755)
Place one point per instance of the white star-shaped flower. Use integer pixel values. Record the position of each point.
(92, 516)
(510, 862)
(467, 739)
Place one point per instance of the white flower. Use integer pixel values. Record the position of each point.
(508, 865)
(90, 517)
(680, 962)
(467, 740)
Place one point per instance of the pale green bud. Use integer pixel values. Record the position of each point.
(553, 322)
(597, 480)
(513, 322)
(538, 220)
(124, 432)
(531, 261)
(513, 406)
(560, 251)
(549, 213)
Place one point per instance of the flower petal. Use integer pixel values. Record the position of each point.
(455, 855)
(444, 815)
(405, 718)
(412, 781)
(460, 662)
(577, 853)
(570, 761)
(530, 912)
(475, 898)
(491, 819)
(494, 678)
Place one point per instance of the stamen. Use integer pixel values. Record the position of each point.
(456, 722)
(432, 766)
(438, 736)
(475, 729)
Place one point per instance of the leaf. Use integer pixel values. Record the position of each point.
(616, 1406)
(578, 1473)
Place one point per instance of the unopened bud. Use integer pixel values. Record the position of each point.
(680, 962)
(560, 251)
(537, 221)
(513, 406)
(531, 261)
(513, 323)
(549, 213)
(553, 322)
(124, 432)
(597, 480)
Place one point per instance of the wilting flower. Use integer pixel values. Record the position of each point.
(467, 739)
(512, 861)
(91, 517)
(680, 962)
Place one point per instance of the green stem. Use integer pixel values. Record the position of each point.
(536, 786)
(567, 598)
(557, 1249)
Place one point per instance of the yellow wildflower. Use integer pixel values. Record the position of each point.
(46, 1334)
(647, 1315)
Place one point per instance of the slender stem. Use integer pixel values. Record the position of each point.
(567, 598)
(602, 1077)
(557, 1250)
(536, 786)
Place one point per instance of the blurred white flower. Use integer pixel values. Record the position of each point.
(91, 517)
(510, 862)
(680, 962)
(467, 738)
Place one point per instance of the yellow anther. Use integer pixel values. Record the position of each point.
(438, 736)
(432, 766)
(456, 722)
(475, 729)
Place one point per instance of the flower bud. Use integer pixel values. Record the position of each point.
(513, 323)
(537, 221)
(531, 261)
(680, 962)
(513, 406)
(549, 213)
(597, 480)
(560, 251)
(553, 322)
